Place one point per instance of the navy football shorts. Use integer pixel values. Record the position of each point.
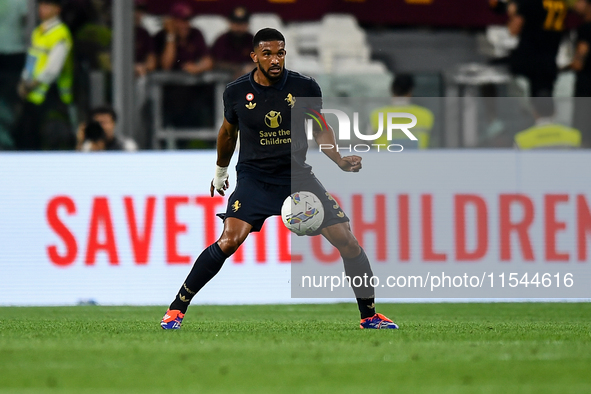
(253, 201)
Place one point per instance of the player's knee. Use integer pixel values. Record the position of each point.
(229, 244)
(348, 246)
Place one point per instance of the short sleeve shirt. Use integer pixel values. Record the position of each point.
(190, 51)
(144, 44)
(263, 115)
(231, 48)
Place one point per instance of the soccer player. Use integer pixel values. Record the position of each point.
(540, 26)
(268, 172)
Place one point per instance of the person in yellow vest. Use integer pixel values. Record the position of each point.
(546, 133)
(401, 89)
(47, 78)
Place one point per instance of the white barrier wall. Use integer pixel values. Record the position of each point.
(125, 228)
(122, 229)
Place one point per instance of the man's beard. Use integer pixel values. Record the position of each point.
(268, 76)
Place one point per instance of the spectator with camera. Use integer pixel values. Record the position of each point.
(95, 138)
(106, 117)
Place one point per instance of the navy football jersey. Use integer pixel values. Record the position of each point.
(263, 115)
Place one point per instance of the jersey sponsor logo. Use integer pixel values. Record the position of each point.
(290, 100)
(251, 105)
(236, 206)
(273, 119)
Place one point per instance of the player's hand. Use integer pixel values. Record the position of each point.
(220, 191)
(350, 163)
(220, 181)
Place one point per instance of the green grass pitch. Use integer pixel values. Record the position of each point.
(440, 348)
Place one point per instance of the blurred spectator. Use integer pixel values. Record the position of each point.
(77, 13)
(499, 6)
(582, 66)
(546, 133)
(231, 50)
(539, 24)
(93, 46)
(13, 15)
(95, 138)
(145, 56)
(401, 89)
(46, 83)
(180, 46)
(107, 119)
(581, 63)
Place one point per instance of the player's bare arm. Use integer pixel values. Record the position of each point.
(226, 144)
(327, 137)
(580, 57)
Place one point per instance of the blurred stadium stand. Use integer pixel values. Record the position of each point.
(352, 51)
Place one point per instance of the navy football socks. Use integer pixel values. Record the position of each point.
(207, 265)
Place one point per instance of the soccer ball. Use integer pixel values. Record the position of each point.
(302, 213)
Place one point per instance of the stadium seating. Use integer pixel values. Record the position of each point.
(152, 23)
(212, 26)
(341, 39)
(260, 21)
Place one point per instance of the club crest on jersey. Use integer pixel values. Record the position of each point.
(250, 104)
(290, 100)
(236, 206)
(273, 119)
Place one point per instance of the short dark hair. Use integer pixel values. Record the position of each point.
(104, 109)
(403, 84)
(543, 106)
(267, 34)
